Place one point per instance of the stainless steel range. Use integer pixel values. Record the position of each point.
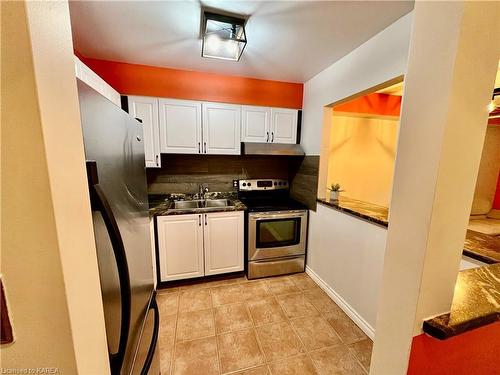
(276, 228)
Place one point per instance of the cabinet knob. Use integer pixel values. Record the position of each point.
(272, 136)
(199, 148)
(205, 145)
(199, 220)
(157, 159)
(267, 136)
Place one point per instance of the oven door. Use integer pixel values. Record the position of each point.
(276, 234)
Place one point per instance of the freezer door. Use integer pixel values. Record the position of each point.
(114, 145)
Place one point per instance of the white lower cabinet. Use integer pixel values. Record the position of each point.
(200, 244)
(180, 246)
(223, 242)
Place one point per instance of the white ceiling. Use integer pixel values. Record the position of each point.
(287, 40)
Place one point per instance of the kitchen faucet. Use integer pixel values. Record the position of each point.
(202, 191)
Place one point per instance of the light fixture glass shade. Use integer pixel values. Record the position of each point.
(223, 37)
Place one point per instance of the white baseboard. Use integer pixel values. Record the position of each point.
(351, 313)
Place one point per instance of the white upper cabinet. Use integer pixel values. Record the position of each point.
(283, 125)
(223, 242)
(269, 125)
(87, 75)
(255, 124)
(180, 126)
(146, 109)
(221, 129)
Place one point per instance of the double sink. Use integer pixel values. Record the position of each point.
(202, 205)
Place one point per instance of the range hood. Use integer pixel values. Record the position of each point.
(283, 149)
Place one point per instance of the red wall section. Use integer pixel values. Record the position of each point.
(476, 352)
(496, 200)
(132, 79)
(376, 104)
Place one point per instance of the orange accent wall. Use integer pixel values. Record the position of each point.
(476, 352)
(375, 104)
(496, 200)
(133, 79)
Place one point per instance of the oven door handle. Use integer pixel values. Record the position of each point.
(266, 216)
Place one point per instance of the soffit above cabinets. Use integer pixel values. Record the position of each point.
(287, 40)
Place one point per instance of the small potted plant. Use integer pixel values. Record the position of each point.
(335, 189)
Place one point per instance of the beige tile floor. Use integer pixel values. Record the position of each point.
(280, 325)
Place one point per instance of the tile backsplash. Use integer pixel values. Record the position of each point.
(184, 173)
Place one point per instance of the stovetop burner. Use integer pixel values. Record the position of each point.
(267, 195)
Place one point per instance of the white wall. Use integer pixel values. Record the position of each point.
(49, 263)
(379, 59)
(347, 254)
(449, 81)
(361, 158)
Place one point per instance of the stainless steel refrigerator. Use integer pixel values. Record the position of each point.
(114, 151)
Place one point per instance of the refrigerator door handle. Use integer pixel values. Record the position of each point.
(100, 203)
(154, 337)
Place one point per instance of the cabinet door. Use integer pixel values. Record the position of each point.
(146, 109)
(221, 129)
(255, 124)
(180, 126)
(223, 239)
(180, 246)
(284, 125)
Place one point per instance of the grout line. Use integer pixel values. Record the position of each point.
(307, 352)
(259, 344)
(357, 359)
(174, 346)
(217, 351)
(265, 282)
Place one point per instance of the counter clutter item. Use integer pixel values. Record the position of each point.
(163, 204)
(475, 303)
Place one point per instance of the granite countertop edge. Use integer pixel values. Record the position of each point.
(480, 257)
(353, 212)
(438, 328)
(476, 305)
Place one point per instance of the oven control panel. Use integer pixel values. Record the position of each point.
(262, 184)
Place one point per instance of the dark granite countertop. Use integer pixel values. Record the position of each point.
(163, 204)
(364, 210)
(476, 302)
(477, 245)
(482, 247)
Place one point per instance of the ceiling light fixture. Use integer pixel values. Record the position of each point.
(223, 36)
